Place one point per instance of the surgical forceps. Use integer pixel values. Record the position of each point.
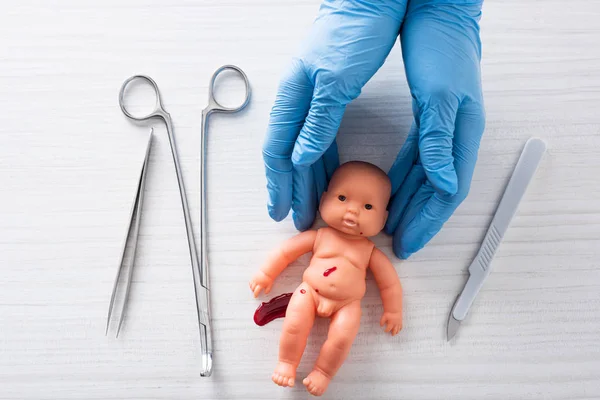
(199, 269)
(136, 212)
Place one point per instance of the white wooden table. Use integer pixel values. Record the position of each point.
(68, 166)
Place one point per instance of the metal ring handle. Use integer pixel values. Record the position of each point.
(158, 109)
(214, 105)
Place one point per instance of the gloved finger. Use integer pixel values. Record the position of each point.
(401, 241)
(287, 117)
(416, 229)
(399, 202)
(406, 158)
(304, 198)
(322, 122)
(331, 159)
(436, 133)
(324, 169)
(423, 220)
(320, 177)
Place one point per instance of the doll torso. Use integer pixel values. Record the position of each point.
(338, 267)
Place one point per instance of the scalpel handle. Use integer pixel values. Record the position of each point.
(480, 268)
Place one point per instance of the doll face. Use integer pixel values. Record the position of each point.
(356, 199)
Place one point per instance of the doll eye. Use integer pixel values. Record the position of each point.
(368, 206)
(341, 197)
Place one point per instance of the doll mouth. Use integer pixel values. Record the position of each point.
(349, 222)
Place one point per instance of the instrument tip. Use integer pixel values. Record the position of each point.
(207, 365)
(119, 328)
(453, 325)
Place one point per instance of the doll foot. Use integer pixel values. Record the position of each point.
(316, 382)
(285, 374)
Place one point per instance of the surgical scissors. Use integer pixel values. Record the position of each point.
(199, 269)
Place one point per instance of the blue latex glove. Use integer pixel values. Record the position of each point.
(348, 43)
(432, 174)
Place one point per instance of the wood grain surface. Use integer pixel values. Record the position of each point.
(69, 161)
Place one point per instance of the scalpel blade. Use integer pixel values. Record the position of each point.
(453, 325)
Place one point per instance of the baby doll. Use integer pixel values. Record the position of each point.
(354, 207)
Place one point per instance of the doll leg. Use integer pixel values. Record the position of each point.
(299, 319)
(342, 331)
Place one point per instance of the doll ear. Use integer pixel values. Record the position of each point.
(386, 215)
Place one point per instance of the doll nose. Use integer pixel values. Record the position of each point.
(353, 210)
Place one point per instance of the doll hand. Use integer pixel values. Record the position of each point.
(393, 322)
(261, 281)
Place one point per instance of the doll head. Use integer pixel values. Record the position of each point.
(356, 199)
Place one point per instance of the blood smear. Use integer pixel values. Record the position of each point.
(329, 271)
(273, 309)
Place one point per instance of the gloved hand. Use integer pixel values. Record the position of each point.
(348, 43)
(432, 174)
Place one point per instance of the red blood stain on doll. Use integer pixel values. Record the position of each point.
(302, 291)
(273, 309)
(317, 290)
(361, 233)
(329, 271)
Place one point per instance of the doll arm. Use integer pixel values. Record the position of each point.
(391, 290)
(280, 258)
